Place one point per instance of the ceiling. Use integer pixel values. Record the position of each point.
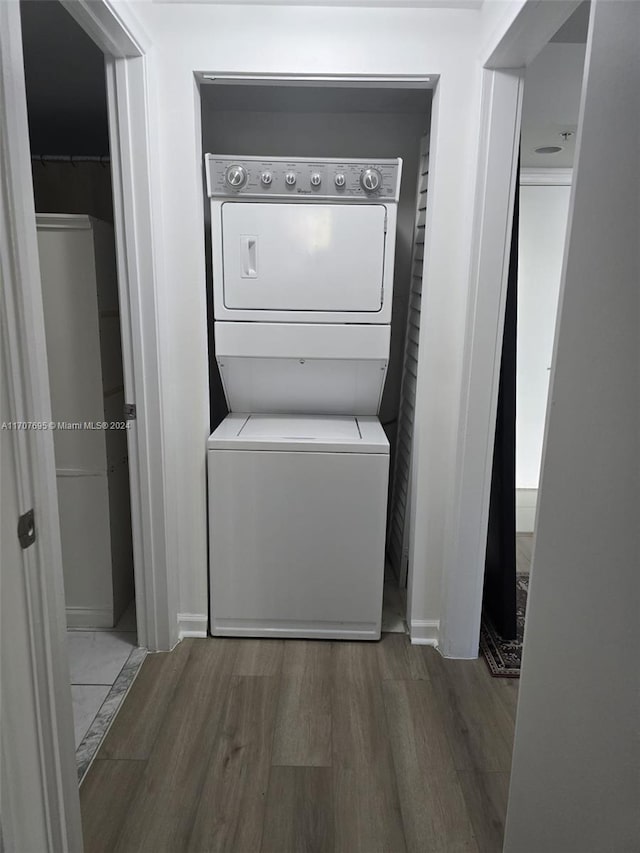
(65, 79)
(552, 88)
(67, 99)
(387, 4)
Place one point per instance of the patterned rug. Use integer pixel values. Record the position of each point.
(503, 657)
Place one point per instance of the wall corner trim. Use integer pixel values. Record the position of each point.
(424, 632)
(192, 625)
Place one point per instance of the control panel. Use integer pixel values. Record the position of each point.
(302, 179)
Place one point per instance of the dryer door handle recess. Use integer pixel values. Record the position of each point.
(249, 256)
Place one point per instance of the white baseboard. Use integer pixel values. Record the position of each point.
(526, 502)
(192, 625)
(424, 632)
(89, 617)
(293, 629)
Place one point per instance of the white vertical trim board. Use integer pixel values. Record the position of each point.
(464, 562)
(156, 593)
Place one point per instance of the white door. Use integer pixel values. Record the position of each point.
(17, 699)
(303, 257)
(39, 800)
(574, 778)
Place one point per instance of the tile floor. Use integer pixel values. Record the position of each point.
(524, 546)
(95, 660)
(393, 607)
(102, 664)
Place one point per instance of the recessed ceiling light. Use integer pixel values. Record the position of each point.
(549, 149)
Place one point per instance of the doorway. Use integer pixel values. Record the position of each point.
(47, 701)
(552, 88)
(73, 195)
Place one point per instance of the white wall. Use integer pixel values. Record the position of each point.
(496, 16)
(543, 224)
(575, 783)
(551, 99)
(309, 40)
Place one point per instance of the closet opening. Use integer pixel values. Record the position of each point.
(69, 141)
(551, 102)
(349, 119)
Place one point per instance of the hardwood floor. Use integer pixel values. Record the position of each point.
(266, 746)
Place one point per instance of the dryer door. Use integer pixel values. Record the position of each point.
(303, 257)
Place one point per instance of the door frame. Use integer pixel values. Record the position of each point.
(515, 47)
(115, 30)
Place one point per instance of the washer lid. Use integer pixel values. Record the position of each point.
(287, 427)
(311, 433)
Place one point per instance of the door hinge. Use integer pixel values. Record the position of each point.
(26, 529)
(130, 411)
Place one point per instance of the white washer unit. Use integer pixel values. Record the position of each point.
(303, 254)
(297, 522)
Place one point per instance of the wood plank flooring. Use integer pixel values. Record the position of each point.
(267, 746)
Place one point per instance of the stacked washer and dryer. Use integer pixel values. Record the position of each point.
(303, 257)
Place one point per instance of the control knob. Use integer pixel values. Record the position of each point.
(266, 178)
(316, 179)
(290, 178)
(340, 180)
(370, 180)
(236, 176)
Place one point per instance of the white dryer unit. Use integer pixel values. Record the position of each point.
(303, 250)
(303, 255)
(305, 241)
